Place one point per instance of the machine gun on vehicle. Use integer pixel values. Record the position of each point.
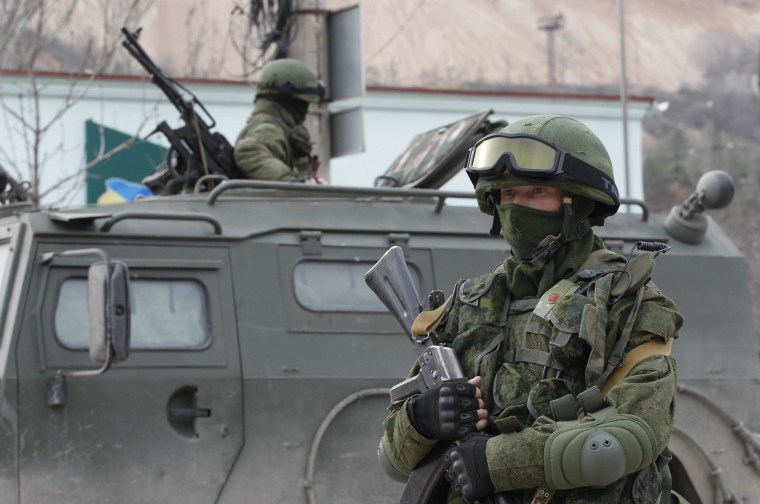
(195, 150)
(12, 192)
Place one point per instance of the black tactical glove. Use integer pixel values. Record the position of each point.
(447, 411)
(467, 469)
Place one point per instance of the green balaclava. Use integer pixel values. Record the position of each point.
(292, 107)
(528, 231)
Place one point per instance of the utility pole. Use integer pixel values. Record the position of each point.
(310, 47)
(551, 24)
(624, 98)
(330, 43)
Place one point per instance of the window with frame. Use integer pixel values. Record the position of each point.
(338, 286)
(165, 314)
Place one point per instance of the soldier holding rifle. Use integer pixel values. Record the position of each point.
(568, 387)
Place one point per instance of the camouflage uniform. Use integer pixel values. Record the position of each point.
(274, 145)
(484, 338)
(527, 361)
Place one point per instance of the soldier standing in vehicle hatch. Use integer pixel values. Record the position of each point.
(567, 345)
(275, 144)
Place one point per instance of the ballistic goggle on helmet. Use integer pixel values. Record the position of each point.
(544, 150)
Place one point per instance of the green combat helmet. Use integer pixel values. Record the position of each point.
(290, 77)
(546, 150)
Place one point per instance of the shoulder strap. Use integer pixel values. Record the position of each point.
(593, 328)
(427, 321)
(638, 354)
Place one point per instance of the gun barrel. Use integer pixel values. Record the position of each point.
(168, 86)
(135, 49)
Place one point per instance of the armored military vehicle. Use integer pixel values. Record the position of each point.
(223, 347)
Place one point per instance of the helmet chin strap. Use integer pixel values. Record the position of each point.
(496, 224)
(551, 244)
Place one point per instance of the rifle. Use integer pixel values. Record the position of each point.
(195, 151)
(391, 281)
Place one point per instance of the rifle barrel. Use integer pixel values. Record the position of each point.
(158, 78)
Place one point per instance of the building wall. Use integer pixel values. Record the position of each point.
(391, 119)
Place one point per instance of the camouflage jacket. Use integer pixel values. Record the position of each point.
(273, 145)
(502, 341)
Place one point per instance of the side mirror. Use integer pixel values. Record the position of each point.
(109, 319)
(109, 311)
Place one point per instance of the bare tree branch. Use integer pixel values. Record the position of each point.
(30, 32)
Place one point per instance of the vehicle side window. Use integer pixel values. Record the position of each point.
(166, 314)
(337, 286)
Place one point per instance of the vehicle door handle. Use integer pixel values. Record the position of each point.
(189, 412)
(183, 412)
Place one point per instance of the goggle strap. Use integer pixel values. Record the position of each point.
(289, 88)
(587, 174)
